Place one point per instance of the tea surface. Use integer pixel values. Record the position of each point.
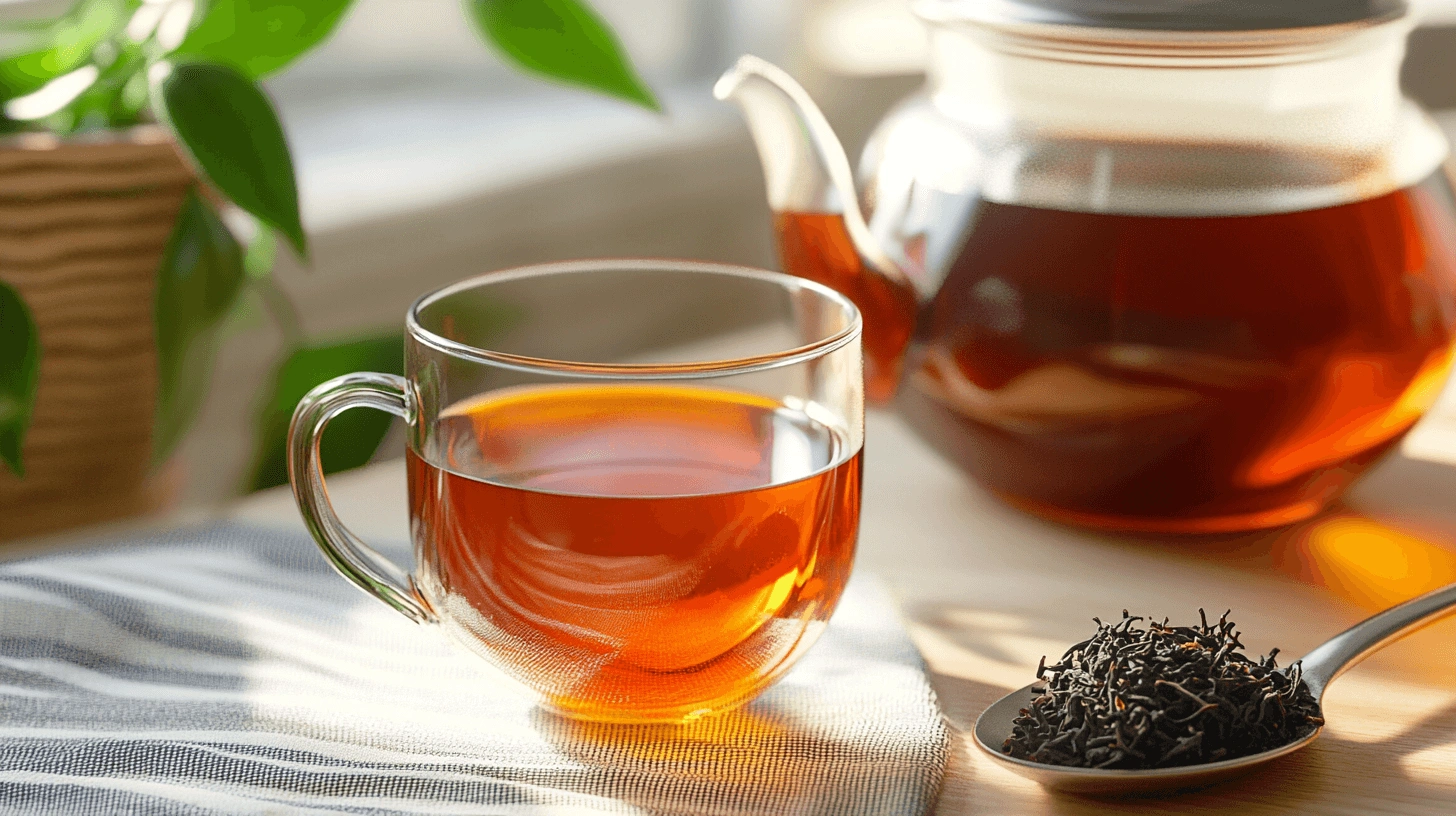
(636, 552)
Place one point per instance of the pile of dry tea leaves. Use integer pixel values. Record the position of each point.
(1160, 696)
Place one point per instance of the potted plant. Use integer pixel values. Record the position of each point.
(144, 183)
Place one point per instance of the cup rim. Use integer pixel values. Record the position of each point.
(739, 365)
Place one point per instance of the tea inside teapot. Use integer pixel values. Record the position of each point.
(1235, 371)
(1143, 279)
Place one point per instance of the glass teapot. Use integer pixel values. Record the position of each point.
(1156, 265)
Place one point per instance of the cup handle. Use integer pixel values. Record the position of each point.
(354, 559)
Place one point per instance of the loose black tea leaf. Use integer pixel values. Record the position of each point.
(1161, 696)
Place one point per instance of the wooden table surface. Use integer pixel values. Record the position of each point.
(987, 591)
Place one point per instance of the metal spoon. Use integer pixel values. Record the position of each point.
(1321, 666)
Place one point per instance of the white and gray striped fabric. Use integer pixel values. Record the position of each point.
(228, 670)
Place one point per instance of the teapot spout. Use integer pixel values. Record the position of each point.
(804, 164)
(821, 230)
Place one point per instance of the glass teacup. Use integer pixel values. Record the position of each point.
(634, 485)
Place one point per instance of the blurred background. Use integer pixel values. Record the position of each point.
(423, 159)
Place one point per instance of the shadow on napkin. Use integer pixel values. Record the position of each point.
(228, 669)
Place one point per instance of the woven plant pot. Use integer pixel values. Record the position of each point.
(83, 225)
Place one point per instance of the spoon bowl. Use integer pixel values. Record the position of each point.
(994, 725)
(1320, 667)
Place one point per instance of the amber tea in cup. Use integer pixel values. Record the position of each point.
(634, 486)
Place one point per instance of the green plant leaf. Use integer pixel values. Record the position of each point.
(19, 372)
(105, 104)
(62, 46)
(563, 40)
(259, 37)
(352, 437)
(232, 133)
(21, 74)
(201, 274)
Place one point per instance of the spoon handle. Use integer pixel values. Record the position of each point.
(1330, 659)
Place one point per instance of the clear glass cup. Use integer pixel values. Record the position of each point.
(634, 485)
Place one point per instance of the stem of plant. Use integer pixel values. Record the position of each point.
(281, 307)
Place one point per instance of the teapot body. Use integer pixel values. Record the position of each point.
(1162, 281)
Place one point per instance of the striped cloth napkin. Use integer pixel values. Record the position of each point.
(228, 670)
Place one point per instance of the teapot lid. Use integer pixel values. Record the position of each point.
(1167, 15)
